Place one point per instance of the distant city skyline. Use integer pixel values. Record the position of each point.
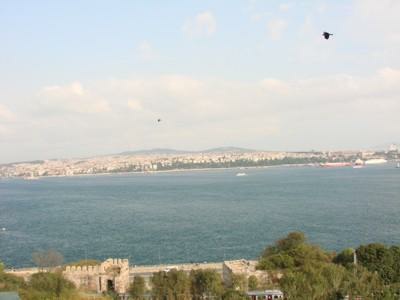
(80, 79)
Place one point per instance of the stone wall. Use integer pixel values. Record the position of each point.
(112, 274)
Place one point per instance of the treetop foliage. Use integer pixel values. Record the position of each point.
(309, 272)
(291, 252)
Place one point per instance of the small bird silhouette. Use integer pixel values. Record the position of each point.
(158, 120)
(327, 35)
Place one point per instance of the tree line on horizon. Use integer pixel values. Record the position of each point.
(302, 270)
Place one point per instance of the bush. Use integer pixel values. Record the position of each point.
(137, 288)
(45, 285)
(292, 252)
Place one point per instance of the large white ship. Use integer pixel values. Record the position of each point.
(241, 174)
(376, 161)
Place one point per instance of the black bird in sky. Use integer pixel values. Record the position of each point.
(327, 35)
(158, 120)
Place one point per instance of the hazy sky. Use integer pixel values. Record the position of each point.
(79, 78)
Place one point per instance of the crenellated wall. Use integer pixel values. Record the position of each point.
(110, 274)
(85, 269)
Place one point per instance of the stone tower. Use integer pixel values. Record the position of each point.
(110, 275)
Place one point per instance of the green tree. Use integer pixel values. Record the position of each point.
(159, 287)
(345, 258)
(379, 258)
(171, 285)
(239, 282)
(206, 284)
(178, 285)
(138, 288)
(292, 252)
(292, 240)
(9, 282)
(46, 285)
(234, 295)
(323, 281)
(252, 282)
(361, 282)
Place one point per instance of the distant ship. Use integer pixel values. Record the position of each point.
(376, 161)
(241, 174)
(358, 164)
(335, 164)
(30, 178)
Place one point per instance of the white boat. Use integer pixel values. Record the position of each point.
(30, 178)
(398, 165)
(241, 174)
(358, 166)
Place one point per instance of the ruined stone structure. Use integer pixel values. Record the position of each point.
(116, 274)
(242, 267)
(110, 275)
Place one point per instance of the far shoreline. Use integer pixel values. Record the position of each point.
(311, 165)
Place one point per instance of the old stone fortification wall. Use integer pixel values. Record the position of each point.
(85, 277)
(111, 274)
(117, 274)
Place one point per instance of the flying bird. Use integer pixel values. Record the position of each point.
(158, 120)
(327, 35)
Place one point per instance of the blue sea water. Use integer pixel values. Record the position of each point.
(197, 215)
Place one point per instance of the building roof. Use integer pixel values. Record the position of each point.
(265, 293)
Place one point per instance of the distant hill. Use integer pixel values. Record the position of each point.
(32, 162)
(226, 149)
(383, 147)
(153, 151)
(158, 151)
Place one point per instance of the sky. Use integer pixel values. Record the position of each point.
(83, 78)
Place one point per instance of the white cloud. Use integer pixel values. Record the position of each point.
(377, 20)
(7, 121)
(74, 89)
(135, 105)
(180, 85)
(6, 114)
(390, 76)
(184, 98)
(256, 17)
(271, 113)
(275, 85)
(203, 24)
(322, 7)
(276, 28)
(4, 131)
(285, 6)
(146, 52)
(72, 98)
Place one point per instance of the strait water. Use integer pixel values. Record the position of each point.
(197, 215)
